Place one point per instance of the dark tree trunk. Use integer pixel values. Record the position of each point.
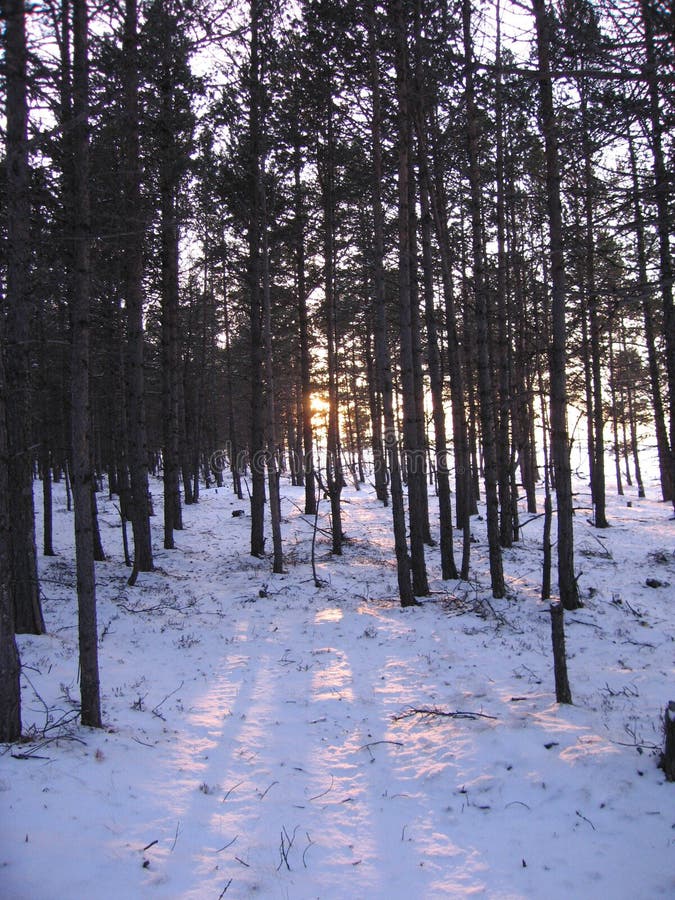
(10, 666)
(384, 373)
(233, 448)
(615, 418)
(662, 183)
(375, 405)
(459, 424)
(133, 286)
(567, 582)
(481, 318)
(334, 477)
(23, 584)
(47, 519)
(562, 686)
(662, 442)
(667, 760)
(598, 476)
(414, 453)
(272, 461)
(305, 356)
(508, 507)
(257, 448)
(80, 374)
(169, 317)
(448, 565)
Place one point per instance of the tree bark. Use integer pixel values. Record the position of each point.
(508, 507)
(80, 373)
(662, 442)
(414, 453)
(482, 326)
(305, 356)
(567, 583)
(257, 448)
(383, 360)
(10, 666)
(448, 565)
(664, 229)
(133, 288)
(23, 584)
(171, 355)
(326, 169)
(598, 470)
(562, 685)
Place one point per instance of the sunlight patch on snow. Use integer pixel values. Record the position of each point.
(551, 719)
(588, 746)
(333, 681)
(331, 614)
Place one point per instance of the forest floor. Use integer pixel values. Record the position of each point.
(267, 737)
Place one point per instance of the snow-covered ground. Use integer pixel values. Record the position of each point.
(266, 737)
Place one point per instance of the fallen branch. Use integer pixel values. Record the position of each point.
(434, 711)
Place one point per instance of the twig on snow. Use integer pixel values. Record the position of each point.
(310, 843)
(155, 710)
(327, 791)
(175, 837)
(285, 847)
(375, 743)
(585, 819)
(267, 789)
(229, 844)
(224, 890)
(233, 788)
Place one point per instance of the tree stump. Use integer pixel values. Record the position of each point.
(667, 762)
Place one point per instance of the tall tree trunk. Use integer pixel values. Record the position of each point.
(598, 477)
(508, 507)
(305, 356)
(615, 417)
(414, 453)
(233, 443)
(10, 666)
(80, 374)
(567, 583)
(448, 566)
(133, 287)
(19, 303)
(664, 228)
(380, 473)
(334, 477)
(257, 448)
(662, 443)
(482, 325)
(384, 373)
(271, 455)
(459, 424)
(169, 319)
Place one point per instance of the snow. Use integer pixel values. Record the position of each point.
(266, 737)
